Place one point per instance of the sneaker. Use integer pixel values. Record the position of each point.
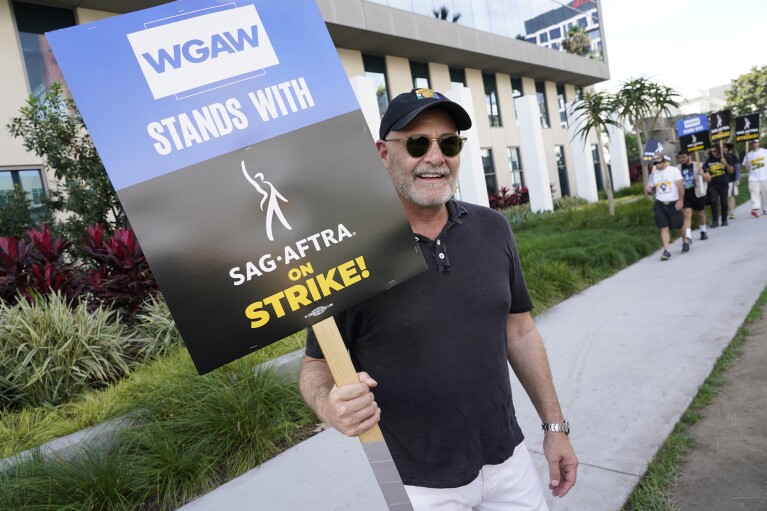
(724, 223)
(731, 216)
(685, 247)
(665, 256)
(704, 235)
(755, 213)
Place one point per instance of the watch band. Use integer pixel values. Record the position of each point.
(558, 427)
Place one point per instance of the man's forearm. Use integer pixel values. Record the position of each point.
(530, 363)
(315, 382)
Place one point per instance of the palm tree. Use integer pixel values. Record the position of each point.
(593, 114)
(642, 102)
(577, 41)
(443, 12)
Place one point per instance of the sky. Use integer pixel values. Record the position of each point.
(690, 45)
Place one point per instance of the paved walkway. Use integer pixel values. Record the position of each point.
(628, 356)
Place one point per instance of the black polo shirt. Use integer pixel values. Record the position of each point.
(436, 345)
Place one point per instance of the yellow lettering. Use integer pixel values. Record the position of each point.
(326, 282)
(259, 317)
(348, 273)
(274, 301)
(296, 297)
(305, 294)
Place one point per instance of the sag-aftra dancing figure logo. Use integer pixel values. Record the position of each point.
(271, 198)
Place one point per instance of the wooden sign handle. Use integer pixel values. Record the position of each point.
(341, 366)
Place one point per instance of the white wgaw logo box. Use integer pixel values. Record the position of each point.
(202, 50)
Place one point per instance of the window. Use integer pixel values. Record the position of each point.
(532, 39)
(375, 68)
(491, 99)
(564, 182)
(457, 76)
(420, 73)
(555, 33)
(540, 92)
(544, 37)
(29, 180)
(515, 167)
(487, 164)
(597, 167)
(579, 93)
(33, 21)
(516, 92)
(583, 22)
(554, 46)
(562, 105)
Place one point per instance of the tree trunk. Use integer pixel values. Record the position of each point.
(608, 181)
(645, 173)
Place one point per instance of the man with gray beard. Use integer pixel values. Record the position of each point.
(433, 352)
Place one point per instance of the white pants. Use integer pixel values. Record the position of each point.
(514, 485)
(758, 191)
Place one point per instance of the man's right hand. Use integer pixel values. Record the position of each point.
(352, 409)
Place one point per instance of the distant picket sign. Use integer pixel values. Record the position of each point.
(747, 127)
(720, 126)
(689, 125)
(651, 148)
(695, 142)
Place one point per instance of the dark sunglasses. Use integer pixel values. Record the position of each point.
(417, 146)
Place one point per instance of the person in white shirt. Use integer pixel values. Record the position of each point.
(666, 182)
(756, 163)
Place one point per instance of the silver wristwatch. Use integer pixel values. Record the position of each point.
(558, 427)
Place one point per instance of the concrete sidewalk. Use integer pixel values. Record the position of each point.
(628, 356)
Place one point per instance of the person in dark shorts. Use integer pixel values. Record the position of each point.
(666, 182)
(719, 167)
(694, 179)
(733, 180)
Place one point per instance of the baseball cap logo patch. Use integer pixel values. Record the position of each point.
(427, 94)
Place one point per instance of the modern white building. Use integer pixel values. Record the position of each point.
(478, 54)
(550, 28)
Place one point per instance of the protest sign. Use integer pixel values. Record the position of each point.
(719, 125)
(747, 127)
(651, 148)
(695, 142)
(238, 150)
(244, 164)
(695, 124)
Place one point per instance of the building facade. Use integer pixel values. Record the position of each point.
(477, 50)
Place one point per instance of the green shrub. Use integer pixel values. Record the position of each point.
(155, 329)
(192, 433)
(568, 202)
(634, 189)
(50, 352)
(15, 216)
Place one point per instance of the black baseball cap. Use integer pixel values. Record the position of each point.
(408, 105)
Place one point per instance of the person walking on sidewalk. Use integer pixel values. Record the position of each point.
(695, 182)
(666, 182)
(719, 167)
(756, 163)
(433, 352)
(733, 180)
